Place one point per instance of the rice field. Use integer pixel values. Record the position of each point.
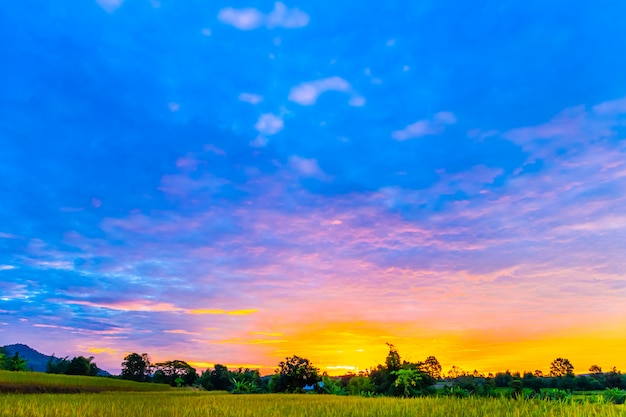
(180, 403)
(37, 382)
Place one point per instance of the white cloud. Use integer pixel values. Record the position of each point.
(251, 18)
(306, 94)
(426, 127)
(6, 267)
(110, 5)
(269, 124)
(281, 16)
(306, 167)
(250, 98)
(243, 19)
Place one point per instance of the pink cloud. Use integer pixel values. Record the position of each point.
(425, 127)
(306, 94)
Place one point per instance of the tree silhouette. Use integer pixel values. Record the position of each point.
(136, 367)
(432, 367)
(561, 367)
(294, 373)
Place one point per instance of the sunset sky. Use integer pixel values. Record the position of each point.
(237, 182)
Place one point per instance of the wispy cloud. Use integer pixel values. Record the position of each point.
(426, 127)
(251, 18)
(307, 93)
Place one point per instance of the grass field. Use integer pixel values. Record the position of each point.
(195, 404)
(36, 382)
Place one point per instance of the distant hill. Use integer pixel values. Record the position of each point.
(36, 361)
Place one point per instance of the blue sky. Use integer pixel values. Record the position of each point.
(233, 181)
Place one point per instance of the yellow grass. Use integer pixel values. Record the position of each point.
(195, 404)
(40, 382)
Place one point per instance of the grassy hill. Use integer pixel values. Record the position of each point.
(36, 382)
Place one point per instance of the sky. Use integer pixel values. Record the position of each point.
(237, 182)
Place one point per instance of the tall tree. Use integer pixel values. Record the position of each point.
(294, 373)
(393, 359)
(561, 367)
(432, 367)
(136, 367)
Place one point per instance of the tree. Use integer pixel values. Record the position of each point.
(455, 372)
(561, 367)
(409, 380)
(294, 373)
(432, 367)
(219, 378)
(57, 365)
(393, 359)
(15, 363)
(80, 365)
(136, 367)
(168, 372)
(595, 370)
(360, 385)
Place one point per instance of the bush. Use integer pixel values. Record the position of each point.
(615, 395)
(554, 394)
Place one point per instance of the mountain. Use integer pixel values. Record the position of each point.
(36, 361)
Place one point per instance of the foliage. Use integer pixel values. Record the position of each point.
(360, 385)
(409, 380)
(615, 395)
(517, 389)
(136, 367)
(168, 372)
(595, 370)
(554, 394)
(294, 373)
(15, 363)
(80, 365)
(561, 367)
(432, 367)
(57, 365)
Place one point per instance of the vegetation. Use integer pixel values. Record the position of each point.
(192, 404)
(37, 382)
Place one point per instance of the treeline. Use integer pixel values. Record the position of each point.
(78, 365)
(393, 378)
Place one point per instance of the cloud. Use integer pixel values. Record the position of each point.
(425, 127)
(250, 98)
(243, 19)
(110, 5)
(269, 124)
(281, 16)
(306, 167)
(6, 267)
(251, 18)
(307, 93)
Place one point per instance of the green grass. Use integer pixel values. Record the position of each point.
(37, 382)
(178, 403)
